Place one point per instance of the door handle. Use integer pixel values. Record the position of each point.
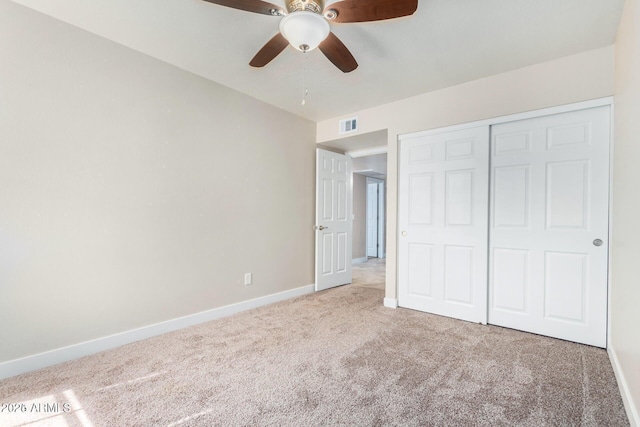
(319, 227)
(598, 242)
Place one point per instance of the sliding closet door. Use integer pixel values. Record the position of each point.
(549, 225)
(443, 220)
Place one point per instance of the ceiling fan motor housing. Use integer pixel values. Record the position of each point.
(315, 6)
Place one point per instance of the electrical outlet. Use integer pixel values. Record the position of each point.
(247, 278)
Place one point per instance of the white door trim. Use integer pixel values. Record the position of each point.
(600, 102)
(609, 276)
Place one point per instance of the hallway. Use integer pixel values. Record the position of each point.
(370, 274)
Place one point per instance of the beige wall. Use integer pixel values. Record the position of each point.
(360, 216)
(134, 192)
(625, 286)
(574, 78)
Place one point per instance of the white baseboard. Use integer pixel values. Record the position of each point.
(627, 399)
(53, 357)
(359, 260)
(391, 302)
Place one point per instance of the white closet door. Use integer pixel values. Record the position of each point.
(549, 225)
(443, 220)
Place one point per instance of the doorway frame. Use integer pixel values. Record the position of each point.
(366, 152)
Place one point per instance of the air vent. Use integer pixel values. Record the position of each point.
(349, 125)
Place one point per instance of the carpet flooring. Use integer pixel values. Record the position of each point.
(332, 358)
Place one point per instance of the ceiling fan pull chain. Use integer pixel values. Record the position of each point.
(305, 90)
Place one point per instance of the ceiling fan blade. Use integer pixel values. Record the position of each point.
(371, 10)
(338, 53)
(269, 51)
(256, 6)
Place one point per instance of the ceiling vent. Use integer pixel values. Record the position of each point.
(348, 125)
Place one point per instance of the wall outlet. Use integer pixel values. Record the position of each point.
(247, 278)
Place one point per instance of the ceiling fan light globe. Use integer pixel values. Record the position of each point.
(304, 30)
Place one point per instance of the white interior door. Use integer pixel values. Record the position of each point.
(372, 218)
(443, 220)
(333, 219)
(549, 225)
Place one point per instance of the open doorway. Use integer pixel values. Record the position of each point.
(369, 247)
(369, 163)
(369, 207)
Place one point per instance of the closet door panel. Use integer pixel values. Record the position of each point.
(549, 225)
(443, 219)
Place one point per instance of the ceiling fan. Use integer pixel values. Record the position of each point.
(305, 24)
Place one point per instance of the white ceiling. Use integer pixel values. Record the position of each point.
(445, 43)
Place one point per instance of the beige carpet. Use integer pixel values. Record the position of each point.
(370, 274)
(334, 358)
